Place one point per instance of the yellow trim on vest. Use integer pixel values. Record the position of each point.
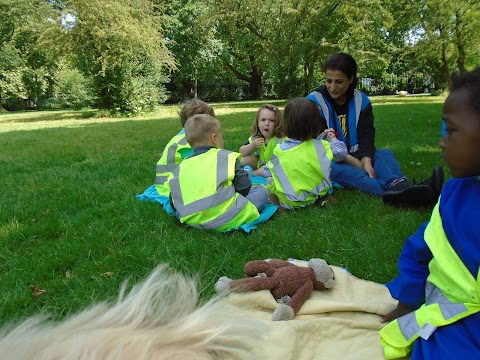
(452, 293)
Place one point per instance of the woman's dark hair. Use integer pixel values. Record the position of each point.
(301, 119)
(469, 81)
(344, 63)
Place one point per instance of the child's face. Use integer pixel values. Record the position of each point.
(461, 143)
(266, 123)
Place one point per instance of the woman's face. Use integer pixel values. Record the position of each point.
(337, 83)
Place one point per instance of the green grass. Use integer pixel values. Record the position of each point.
(70, 223)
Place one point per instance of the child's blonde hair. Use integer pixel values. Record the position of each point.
(198, 129)
(278, 130)
(192, 107)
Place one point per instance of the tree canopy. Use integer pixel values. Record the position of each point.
(130, 55)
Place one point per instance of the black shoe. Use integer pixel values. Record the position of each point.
(435, 182)
(408, 194)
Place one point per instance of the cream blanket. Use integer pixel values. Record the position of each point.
(341, 323)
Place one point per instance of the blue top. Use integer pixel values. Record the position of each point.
(460, 212)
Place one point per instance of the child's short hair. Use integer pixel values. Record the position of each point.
(192, 107)
(198, 129)
(301, 119)
(278, 131)
(469, 81)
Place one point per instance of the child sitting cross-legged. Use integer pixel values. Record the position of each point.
(438, 313)
(210, 189)
(300, 166)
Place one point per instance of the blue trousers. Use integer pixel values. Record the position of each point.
(386, 169)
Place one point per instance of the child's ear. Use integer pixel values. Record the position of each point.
(214, 139)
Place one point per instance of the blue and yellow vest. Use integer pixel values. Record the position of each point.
(299, 176)
(176, 150)
(355, 106)
(451, 293)
(204, 195)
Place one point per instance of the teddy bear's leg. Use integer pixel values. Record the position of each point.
(253, 284)
(299, 298)
(253, 268)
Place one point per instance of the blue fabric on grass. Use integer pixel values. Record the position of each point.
(151, 194)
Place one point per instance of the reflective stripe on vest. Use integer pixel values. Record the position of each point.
(460, 296)
(226, 195)
(320, 100)
(288, 189)
(168, 164)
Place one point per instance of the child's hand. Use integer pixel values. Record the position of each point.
(402, 309)
(258, 142)
(329, 134)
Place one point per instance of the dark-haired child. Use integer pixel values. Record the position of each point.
(438, 289)
(300, 166)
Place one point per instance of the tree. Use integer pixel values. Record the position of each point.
(120, 45)
(26, 67)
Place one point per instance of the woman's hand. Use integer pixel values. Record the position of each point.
(368, 167)
(402, 309)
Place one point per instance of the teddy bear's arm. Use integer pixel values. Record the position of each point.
(254, 284)
(255, 267)
(302, 294)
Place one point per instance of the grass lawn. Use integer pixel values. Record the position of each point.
(71, 229)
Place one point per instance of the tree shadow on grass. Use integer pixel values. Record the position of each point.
(50, 115)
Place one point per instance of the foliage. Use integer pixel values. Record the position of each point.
(73, 89)
(26, 67)
(121, 47)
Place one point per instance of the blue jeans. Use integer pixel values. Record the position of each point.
(386, 169)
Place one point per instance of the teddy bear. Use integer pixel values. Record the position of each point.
(289, 284)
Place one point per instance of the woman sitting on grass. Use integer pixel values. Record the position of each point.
(366, 168)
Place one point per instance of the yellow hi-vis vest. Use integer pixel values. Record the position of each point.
(264, 153)
(203, 193)
(169, 161)
(302, 173)
(451, 294)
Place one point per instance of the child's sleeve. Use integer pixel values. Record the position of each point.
(339, 150)
(241, 180)
(409, 286)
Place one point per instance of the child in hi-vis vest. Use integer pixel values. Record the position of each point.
(210, 189)
(438, 289)
(300, 166)
(178, 148)
(267, 132)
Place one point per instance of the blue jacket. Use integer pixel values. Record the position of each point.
(460, 212)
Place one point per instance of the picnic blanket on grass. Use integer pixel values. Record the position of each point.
(151, 194)
(341, 323)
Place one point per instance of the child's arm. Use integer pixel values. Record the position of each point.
(409, 286)
(246, 149)
(241, 180)
(339, 149)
